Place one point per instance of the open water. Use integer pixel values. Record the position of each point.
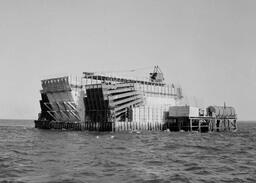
(32, 155)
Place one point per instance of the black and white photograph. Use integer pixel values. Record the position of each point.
(128, 91)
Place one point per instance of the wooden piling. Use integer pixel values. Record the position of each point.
(191, 123)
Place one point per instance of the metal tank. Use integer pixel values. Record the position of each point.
(221, 111)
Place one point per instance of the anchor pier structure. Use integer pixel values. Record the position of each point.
(99, 102)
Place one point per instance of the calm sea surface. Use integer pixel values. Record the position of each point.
(32, 155)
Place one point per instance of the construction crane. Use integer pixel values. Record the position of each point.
(157, 75)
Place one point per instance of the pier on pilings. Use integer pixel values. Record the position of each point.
(201, 124)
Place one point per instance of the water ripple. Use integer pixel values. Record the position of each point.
(32, 155)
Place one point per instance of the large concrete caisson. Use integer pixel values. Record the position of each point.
(103, 102)
(62, 100)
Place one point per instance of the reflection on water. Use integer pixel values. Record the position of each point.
(33, 155)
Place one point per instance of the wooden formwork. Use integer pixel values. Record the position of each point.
(201, 124)
(107, 102)
(137, 126)
(58, 125)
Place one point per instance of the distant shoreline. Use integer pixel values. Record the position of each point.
(17, 119)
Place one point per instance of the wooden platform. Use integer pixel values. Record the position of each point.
(201, 124)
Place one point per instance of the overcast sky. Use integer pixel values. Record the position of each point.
(208, 47)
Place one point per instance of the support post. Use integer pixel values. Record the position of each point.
(191, 125)
(113, 123)
(199, 126)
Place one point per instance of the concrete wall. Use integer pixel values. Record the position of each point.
(65, 96)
